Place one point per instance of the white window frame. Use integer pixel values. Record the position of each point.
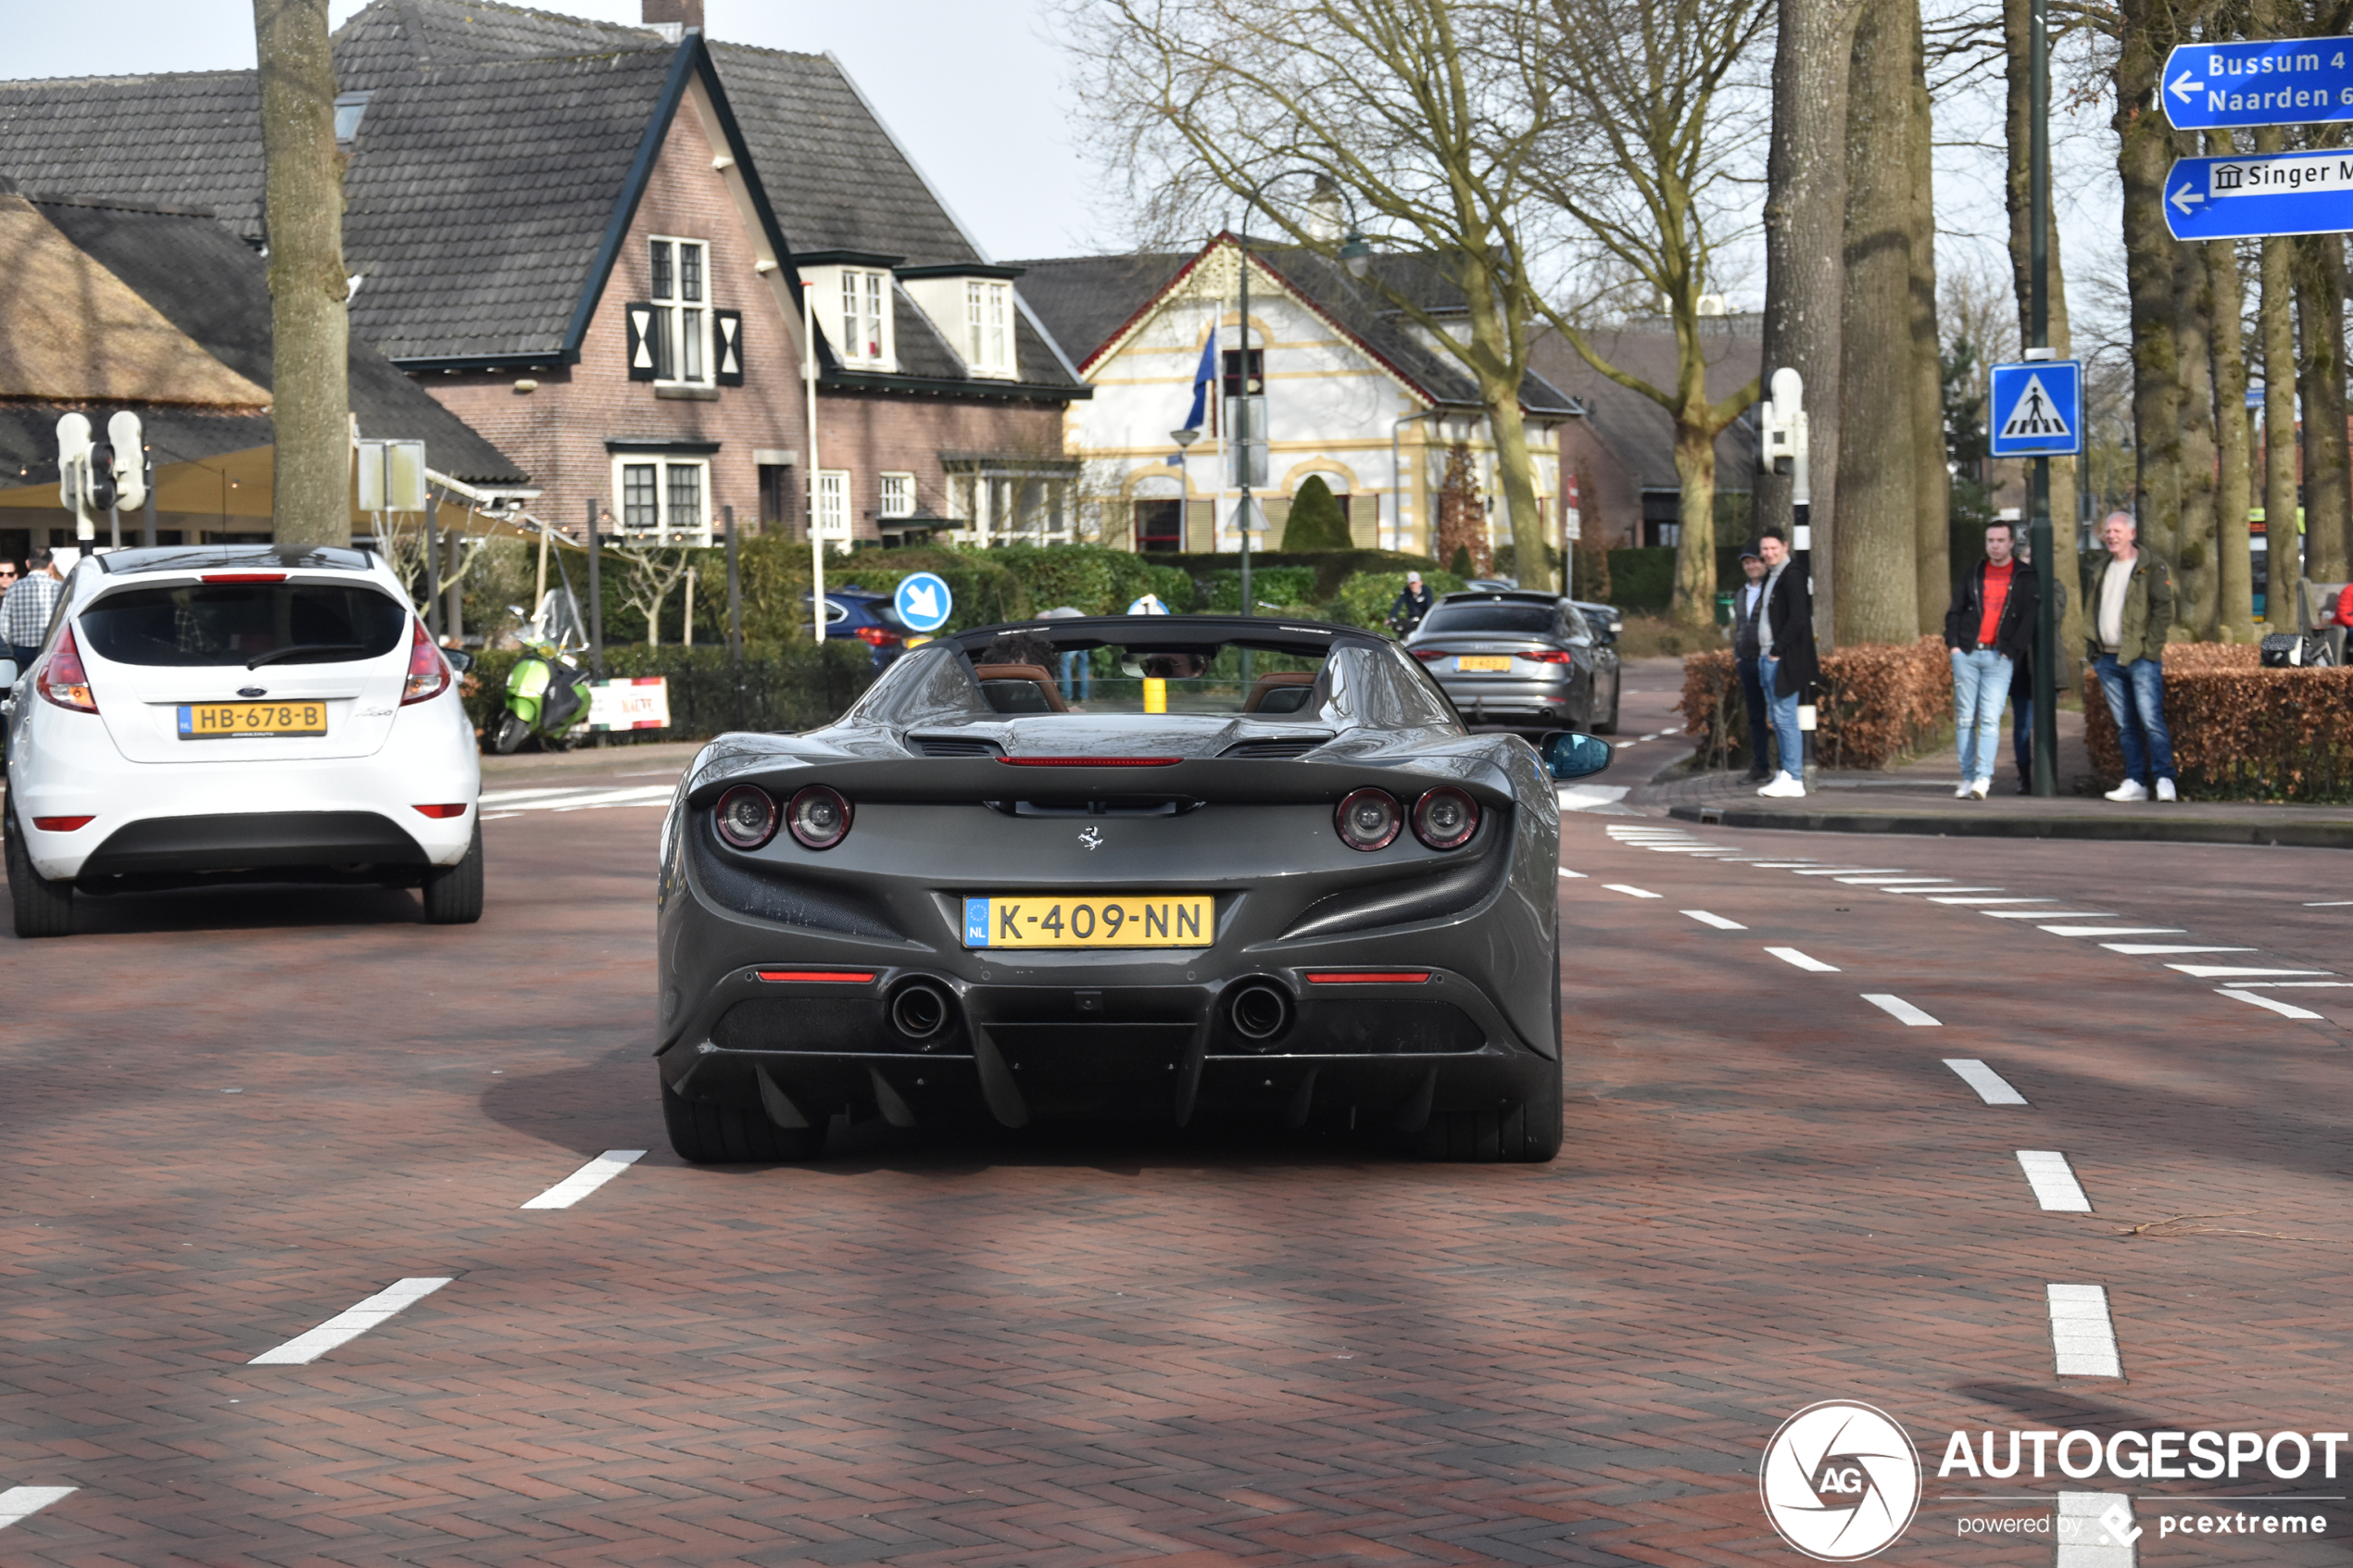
(898, 496)
(669, 524)
(685, 349)
(988, 327)
(865, 300)
(830, 516)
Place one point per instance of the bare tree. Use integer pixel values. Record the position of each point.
(653, 569)
(302, 184)
(1426, 112)
(1650, 120)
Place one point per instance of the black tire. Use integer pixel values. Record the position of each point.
(1526, 1132)
(1610, 728)
(42, 907)
(707, 1132)
(453, 893)
(511, 733)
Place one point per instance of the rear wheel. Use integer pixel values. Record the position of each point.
(513, 731)
(42, 907)
(1609, 727)
(453, 893)
(709, 1133)
(1526, 1132)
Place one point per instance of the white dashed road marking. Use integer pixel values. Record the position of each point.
(2283, 1008)
(2225, 971)
(1630, 891)
(2034, 914)
(1586, 797)
(2095, 1530)
(587, 1179)
(2114, 930)
(2147, 949)
(1939, 882)
(1803, 961)
(1851, 870)
(2054, 1182)
(1719, 921)
(1940, 898)
(1897, 1007)
(22, 1502)
(304, 1348)
(2083, 1339)
(1940, 888)
(1991, 1086)
(1574, 877)
(504, 802)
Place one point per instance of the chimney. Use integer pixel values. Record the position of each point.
(673, 15)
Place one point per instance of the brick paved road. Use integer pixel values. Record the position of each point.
(233, 1117)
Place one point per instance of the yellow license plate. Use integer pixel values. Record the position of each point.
(230, 721)
(1483, 665)
(1146, 920)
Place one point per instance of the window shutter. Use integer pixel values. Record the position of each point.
(729, 325)
(640, 320)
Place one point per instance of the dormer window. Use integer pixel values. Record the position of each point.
(680, 335)
(864, 296)
(989, 310)
(349, 108)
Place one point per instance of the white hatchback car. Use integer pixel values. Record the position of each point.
(221, 713)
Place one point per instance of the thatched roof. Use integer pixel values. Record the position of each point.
(71, 331)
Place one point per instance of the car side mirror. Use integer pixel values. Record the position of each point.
(1569, 755)
(460, 659)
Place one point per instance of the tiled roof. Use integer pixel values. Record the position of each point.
(1084, 299)
(214, 288)
(181, 140)
(1637, 430)
(385, 44)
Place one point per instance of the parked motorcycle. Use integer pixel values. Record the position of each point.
(547, 695)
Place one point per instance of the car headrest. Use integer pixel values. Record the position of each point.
(1020, 688)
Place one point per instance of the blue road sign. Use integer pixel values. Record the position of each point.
(2247, 199)
(2038, 408)
(2280, 81)
(923, 601)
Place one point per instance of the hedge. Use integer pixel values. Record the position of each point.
(1642, 579)
(786, 686)
(1880, 702)
(2241, 732)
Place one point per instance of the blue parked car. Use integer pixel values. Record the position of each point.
(852, 611)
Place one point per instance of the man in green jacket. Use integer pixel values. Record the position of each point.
(2131, 605)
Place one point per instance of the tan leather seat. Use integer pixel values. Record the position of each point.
(1274, 681)
(1002, 686)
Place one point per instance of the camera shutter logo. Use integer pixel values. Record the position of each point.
(1841, 1481)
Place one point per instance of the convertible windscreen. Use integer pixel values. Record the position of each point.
(215, 623)
(1032, 674)
(1521, 621)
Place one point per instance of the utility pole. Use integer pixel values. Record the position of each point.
(2038, 252)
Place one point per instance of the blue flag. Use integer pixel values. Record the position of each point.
(1202, 375)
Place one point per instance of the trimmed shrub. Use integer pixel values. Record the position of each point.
(1268, 586)
(1317, 521)
(1880, 702)
(1642, 579)
(2241, 732)
(1364, 601)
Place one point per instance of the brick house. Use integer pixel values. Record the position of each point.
(590, 242)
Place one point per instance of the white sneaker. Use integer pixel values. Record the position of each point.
(1960, 791)
(1784, 787)
(2131, 789)
(2165, 790)
(1981, 789)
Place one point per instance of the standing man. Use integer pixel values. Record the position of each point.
(1988, 632)
(1747, 648)
(25, 612)
(1786, 666)
(2022, 672)
(2131, 605)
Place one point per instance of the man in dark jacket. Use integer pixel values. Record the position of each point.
(1748, 622)
(1989, 628)
(1786, 665)
(2022, 674)
(1413, 602)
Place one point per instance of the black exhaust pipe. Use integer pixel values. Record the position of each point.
(921, 1010)
(1260, 1010)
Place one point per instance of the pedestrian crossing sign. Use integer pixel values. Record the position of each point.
(2038, 408)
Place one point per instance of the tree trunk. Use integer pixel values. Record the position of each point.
(1877, 585)
(2234, 607)
(1932, 482)
(2283, 544)
(1496, 349)
(2145, 151)
(302, 190)
(2319, 301)
(1805, 230)
(1695, 471)
(2194, 546)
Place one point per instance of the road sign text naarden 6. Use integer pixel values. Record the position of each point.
(2281, 81)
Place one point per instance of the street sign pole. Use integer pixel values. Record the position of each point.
(2038, 240)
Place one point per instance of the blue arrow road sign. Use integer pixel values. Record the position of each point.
(2038, 408)
(2246, 198)
(923, 601)
(2281, 81)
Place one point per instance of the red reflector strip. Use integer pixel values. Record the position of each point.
(1092, 761)
(455, 808)
(245, 577)
(61, 824)
(1370, 977)
(841, 976)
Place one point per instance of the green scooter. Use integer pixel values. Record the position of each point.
(547, 695)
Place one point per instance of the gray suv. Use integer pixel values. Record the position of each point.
(1520, 659)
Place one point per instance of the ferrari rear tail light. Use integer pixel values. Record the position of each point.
(1550, 655)
(1445, 818)
(818, 817)
(428, 672)
(1369, 977)
(1368, 819)
(746, 817)
(61, 679)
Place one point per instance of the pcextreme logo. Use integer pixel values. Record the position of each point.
(1840, 1481)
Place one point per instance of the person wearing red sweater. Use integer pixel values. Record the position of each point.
(1989, 628)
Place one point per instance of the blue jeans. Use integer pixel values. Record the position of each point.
(1083, 665)
(2136, 700)
(1759, 717)
(1785, 710)
(1981, 684)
